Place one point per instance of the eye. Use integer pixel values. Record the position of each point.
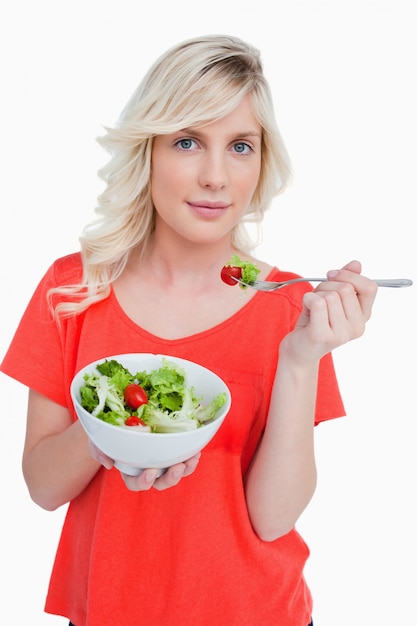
(242, 147)
(185, 144)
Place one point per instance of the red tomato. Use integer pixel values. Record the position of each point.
(230, 271)
(134, 420)
(135, 396)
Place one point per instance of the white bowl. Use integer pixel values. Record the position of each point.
(133, 450)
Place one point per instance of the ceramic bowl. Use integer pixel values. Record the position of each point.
(134, 450)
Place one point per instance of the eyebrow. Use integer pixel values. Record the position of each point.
(198, 130)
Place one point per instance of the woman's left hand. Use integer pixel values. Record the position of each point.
(335, 313)
(278, 492)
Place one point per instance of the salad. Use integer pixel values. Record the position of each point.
(238, 269)
(157, 401)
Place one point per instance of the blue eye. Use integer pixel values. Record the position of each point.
(241, 147)
(185, 144)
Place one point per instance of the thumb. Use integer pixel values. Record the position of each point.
(353, 266)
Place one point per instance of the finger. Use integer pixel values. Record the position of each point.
(99, 456)
(345, 292)
(345, 313)
(353, 266)
(319, 326)
(175, 473)
(191, 464)
(365, 289)
(149, 478)
(336, 316)
(143, 482)
(171, 477)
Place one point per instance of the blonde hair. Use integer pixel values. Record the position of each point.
(194, 83)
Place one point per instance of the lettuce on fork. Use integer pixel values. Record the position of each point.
(249, 270)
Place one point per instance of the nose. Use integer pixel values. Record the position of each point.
(213, 171)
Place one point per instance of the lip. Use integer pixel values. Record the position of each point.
(206, 204)
(207, 209)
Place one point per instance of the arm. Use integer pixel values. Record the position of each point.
(282, 476)
(59, 460)
(57, 465)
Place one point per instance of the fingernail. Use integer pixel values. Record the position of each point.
(150, 476)
(104, 462)
(332, 273)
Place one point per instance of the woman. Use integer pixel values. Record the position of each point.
(196, 153)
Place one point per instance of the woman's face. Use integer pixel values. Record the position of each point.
(203, 178)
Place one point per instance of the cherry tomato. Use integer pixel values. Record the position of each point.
(135, 396)
(134, 420)
(229, 273)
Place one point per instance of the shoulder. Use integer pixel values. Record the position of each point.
(67, 270)
(292, 294)
(277, 274)
(273, 272)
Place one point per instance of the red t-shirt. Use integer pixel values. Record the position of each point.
(188, 555)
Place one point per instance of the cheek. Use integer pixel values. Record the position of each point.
(249, 185)
(167, 178)
(161, 183)
(248, 178)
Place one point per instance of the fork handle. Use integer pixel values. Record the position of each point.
(393, 282)
(381, 282)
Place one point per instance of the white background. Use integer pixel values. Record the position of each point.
(344, 76)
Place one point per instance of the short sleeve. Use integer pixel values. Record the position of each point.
(35, 356)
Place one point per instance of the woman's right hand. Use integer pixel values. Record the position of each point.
(149, 477)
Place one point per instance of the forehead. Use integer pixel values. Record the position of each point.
(241, 121)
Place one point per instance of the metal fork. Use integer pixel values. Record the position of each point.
(269, 285)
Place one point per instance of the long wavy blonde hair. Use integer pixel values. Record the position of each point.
(194, 83)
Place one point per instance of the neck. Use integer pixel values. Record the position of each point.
(187, 263)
